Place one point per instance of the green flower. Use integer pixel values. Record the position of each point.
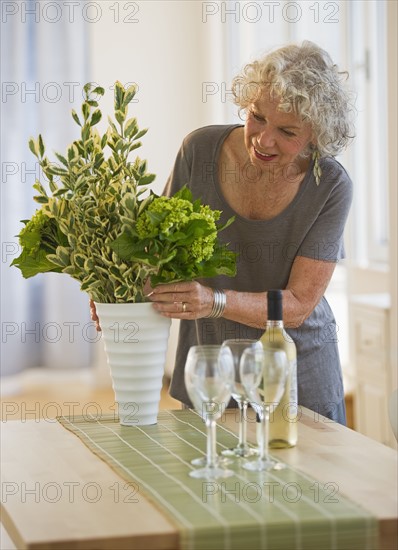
(40, 237)
(169, 217)
(163, 216)
(30, 235)
(178, 238)
(40, 231)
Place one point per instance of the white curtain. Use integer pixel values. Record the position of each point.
(45, 320)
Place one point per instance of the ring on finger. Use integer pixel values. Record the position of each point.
(184, 307)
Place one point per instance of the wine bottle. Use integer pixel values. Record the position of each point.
(283, 421)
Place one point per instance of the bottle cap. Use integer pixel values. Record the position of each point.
(274, 299)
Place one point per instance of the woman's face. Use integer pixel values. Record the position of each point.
(274, 139)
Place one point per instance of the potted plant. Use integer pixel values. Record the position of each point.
(99, 223)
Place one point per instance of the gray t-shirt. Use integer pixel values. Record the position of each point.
(312, 226)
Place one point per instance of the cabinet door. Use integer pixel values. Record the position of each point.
(370, 335)
(370, 355)
(371, 410)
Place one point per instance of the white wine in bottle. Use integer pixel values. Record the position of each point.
(283, 421)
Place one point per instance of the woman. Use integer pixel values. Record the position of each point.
(290, 198)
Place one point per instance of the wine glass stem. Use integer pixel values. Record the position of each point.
(242, 424)
(265, 428)
(211, 454)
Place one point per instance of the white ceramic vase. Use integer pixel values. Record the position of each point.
(135, 338)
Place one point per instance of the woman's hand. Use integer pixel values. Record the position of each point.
(186, 300)
(94, 316)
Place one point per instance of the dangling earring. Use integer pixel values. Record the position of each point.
(317, 171)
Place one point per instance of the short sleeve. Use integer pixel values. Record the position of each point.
(325, 237)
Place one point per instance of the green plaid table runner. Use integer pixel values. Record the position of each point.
(275, 510)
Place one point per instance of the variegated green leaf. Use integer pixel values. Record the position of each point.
(147, 179)
(64, 226)
(38, 186)
(69, 270)
(63, 254)
(121, 292)
(141, 133)
(53, 186)
(55, 260)
(33, 147)
(131, 127)
(120, 116)
(40, 199)
(75, 117)
(96, 117)
(41, 145)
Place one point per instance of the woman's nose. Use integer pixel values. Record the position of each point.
(266, 138)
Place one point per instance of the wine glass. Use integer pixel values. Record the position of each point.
(209, 378)
(263, 373)
(237, 347)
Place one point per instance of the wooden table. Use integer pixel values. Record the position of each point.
(56, 494)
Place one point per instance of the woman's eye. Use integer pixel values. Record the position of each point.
(287, 133)
(257, 117)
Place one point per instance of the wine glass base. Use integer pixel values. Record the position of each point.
(211, 473)
(240, 452)
(263, 465)
(220, 461)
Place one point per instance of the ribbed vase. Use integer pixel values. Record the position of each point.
(135, 338)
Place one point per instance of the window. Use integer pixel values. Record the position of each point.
(354, 33)
(367, 58)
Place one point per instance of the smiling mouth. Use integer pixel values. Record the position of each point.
(263, 156)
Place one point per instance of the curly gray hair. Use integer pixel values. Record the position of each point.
(306, 81)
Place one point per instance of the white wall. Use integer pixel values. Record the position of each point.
(165, 52)
(173, 56)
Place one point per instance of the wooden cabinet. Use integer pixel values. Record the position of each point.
(370, 353)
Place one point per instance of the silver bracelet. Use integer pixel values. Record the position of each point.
(220, 301)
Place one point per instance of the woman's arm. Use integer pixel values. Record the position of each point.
(307, 283)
